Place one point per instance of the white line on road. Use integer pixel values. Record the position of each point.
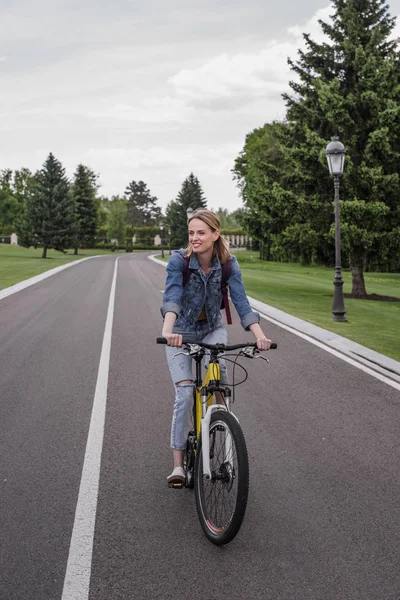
(352, 362)
(13, 289)
(324, 345)
(77, 577)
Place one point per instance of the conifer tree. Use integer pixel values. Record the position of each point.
(84, 193)
(350, 87)
(49, 211)
(191, 195)
(141, 205)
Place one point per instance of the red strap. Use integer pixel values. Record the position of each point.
(226, 271)
(227, 309)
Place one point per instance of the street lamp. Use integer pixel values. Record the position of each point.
(169, 238)
(162, 247)
(189, 212)
(335, 153)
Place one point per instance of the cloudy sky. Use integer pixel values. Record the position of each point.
(148, 90)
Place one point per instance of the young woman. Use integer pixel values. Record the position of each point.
(193, 312)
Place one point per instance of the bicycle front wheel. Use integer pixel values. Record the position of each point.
(221, 501)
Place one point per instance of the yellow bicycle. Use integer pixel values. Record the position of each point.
(216, 461)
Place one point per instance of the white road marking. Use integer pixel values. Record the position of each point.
(312, 340)
(77, 577)
(13, 289)
(352, 362)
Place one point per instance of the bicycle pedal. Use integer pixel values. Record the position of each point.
(176, 485)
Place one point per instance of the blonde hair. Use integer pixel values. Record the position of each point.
(221, 245)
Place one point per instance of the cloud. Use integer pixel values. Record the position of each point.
(154, 110)
(237, 79)
(312, 26)
(146, 91)
(231, 81)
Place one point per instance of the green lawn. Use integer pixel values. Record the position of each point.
(18, 264)
(307, 293)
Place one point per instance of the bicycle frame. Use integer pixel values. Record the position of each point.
(204, 407)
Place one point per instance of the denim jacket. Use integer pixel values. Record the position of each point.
(203, 290)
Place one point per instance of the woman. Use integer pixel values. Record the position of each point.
(193, 312)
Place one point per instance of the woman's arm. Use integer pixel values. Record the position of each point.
(173, 290)
(173, 339)
(263, 343)
(249, 318)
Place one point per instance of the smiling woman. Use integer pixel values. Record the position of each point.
(192, 312)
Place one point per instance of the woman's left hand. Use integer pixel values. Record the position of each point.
(263, 343)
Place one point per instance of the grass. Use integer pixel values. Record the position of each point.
(307, 293)
(18, 264)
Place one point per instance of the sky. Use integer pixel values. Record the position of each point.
(147, 91)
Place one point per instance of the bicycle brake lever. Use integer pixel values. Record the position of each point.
(252, 352)
(184, 353)
(263, 357)
(249, 351)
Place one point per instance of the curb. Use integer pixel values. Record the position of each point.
(13, 289)
(379, 363)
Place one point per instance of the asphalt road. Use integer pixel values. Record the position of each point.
(323, 519)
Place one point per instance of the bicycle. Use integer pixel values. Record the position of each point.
(216, 461)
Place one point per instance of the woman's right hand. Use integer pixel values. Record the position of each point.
(173, 339)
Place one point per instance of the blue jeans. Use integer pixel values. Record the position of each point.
(181, 369)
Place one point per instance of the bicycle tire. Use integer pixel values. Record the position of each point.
(189, 457)
(221, 502)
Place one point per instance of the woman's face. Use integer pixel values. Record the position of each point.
(201, 236)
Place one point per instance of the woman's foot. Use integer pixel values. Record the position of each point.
(177, 476)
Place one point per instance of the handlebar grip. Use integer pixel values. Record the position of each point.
(161, 340)
(273, 346)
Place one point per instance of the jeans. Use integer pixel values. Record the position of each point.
(181, 369)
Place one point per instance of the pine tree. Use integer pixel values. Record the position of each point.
(84, 192)
(49, 211)
(350, 87)
(192, 196)
(142, 209)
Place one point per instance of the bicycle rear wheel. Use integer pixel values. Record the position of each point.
(221, 501)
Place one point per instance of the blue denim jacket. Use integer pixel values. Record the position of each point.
(203, 290)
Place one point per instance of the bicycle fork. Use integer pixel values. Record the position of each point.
(205, 438)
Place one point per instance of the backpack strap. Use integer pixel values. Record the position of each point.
(226, 271)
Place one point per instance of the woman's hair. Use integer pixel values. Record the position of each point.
(221, 246)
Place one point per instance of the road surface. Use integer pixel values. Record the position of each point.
(82, 378)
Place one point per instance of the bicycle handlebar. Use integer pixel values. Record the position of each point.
(222, 347)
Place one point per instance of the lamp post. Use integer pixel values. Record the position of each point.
(335, 153)
(189, 212)
(169, 238)
(162, 247)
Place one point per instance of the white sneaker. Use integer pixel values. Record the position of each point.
(177, 476)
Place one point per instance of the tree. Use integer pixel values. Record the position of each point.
(102, 216)
(227, 220)
(350, 87)
(117, 218)
(9, 208)
(141, 205)
(191, 195)
(84, 190)
(263, 177)
(49, 214)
